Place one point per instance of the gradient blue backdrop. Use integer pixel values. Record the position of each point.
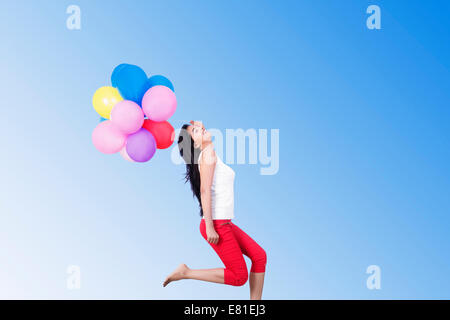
(364, 147)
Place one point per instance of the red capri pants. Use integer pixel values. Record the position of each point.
(233, 242)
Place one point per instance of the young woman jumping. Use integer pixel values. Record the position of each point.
(212, 182)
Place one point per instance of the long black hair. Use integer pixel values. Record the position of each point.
(190, 155)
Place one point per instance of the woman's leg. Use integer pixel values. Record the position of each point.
(184, 272)
(235, 272)
(211, 275)
(258, 256)
(256, 285)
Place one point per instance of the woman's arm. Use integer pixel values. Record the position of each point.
(208, 163)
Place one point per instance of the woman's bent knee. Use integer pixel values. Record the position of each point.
(236, 278)
(241, 279)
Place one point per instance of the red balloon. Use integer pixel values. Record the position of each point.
(163, 132)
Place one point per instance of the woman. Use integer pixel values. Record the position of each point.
(212, 183)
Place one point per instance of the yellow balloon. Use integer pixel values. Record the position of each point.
(105, 98)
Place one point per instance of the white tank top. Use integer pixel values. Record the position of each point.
(222, 190)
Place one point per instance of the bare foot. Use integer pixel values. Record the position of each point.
(177, 274)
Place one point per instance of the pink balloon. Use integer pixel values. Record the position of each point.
(125, 155)
(127, 116)
(159, 103)
(107, 138)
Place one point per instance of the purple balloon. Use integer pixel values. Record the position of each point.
(141, 145)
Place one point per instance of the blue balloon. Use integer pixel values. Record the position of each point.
(159, 80)
(131, 81)
(102, 119)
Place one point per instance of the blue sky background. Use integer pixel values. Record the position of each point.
(364, 149)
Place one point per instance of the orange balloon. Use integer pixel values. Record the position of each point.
(163, 132)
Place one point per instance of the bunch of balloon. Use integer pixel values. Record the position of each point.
(134, 113)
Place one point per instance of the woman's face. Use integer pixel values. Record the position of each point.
(198, 133)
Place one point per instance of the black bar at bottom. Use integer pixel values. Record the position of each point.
(223, 309)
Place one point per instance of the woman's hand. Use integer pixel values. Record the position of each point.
(211, 235)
